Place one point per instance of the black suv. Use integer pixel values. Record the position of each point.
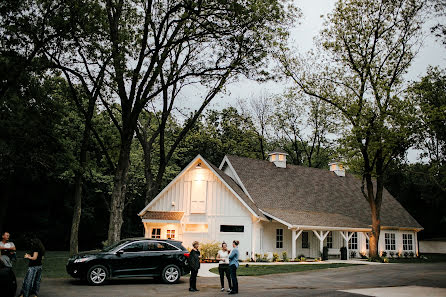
(132, 257)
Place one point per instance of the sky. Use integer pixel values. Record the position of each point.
(432, 53)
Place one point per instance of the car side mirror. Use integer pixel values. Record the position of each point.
(119, 253)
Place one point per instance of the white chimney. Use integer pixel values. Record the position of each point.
(338, 168)
(278, 157)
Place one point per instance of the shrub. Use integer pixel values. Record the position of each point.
(209, 249)
(363, 256)
(384, 254)
(385, 260)
(275, 257)
(411, 254)
(302, 259)
(265, 258)
(285, 257)
(353, 254)
(391, 254)
(406, 254)
(258, 257)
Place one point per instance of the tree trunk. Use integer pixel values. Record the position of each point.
(374, 235)
(77, 210)
(119, 191)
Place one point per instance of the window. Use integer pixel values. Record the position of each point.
(281, 157)
(330, 240)
(156, 233)
(159, 246)
(200, 228)
(279, 238)
(407, 242)
(170, 234)
(366, 243)
(353, 242)
(273, 157)
(135, 247)
(390, 241)
(305, 243)
(232, 228)
(198, 196)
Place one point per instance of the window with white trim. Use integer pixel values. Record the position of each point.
(279, 238)
(156, 233)
(353, 242)
(389, 239)
(170, 234)
(305, 242)
(407, 242)
(330, 240)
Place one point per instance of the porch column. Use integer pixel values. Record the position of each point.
(295, 236)
(346, 237)
(321, 236)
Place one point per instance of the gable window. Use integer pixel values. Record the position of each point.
(330, 240)
(305, 243)
(171, 234)
(353, 242)
(198, 196)
(389, 239)
(232, 228)
(407, 242)
(279, 238)
(156, 233)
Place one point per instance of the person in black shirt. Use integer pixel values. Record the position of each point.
(194, 264)
(31, 282)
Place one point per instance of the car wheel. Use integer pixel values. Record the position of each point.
(97, 275)
(171, 274)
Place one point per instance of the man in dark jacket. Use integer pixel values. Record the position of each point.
(194, 264)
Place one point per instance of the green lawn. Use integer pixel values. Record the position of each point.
(424, 258)
(255, 270)
(53, 264)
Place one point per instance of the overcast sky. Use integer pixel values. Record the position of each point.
(432, 53)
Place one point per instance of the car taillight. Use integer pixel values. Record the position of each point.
(186, 255)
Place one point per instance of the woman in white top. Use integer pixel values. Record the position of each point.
(223, 266)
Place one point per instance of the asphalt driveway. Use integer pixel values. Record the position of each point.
(327, 282)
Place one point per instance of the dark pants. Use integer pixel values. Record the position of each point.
(193, 279)
(233, 270)
(224, 269)
(31, 282)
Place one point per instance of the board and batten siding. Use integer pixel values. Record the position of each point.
(222, 207)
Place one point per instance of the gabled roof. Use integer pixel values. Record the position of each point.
(225, 179)
(301, 195)
(278, 150)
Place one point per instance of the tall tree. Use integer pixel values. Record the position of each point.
(367, 47)
(206, 42)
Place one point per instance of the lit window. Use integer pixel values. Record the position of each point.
(407, 242)
(279, 238)
(201, 228)
(273, 157)
(389, 241)
(281, 157)
(353, 242)
(156, 233)
(198, 196)
(330, 240)
(171, 234)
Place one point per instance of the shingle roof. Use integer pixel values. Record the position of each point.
(317, 197)
(236, 189)
(278, 150)
(163, 215)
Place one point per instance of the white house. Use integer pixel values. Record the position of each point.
(272, 206)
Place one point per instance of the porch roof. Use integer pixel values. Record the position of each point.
(171, 216)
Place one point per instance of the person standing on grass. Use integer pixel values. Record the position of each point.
(31, 282)
(233, 265)
(223, 266)
(194, 264)
(7, 247)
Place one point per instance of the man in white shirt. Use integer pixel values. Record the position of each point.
(7, 247)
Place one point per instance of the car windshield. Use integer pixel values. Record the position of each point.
(111, 247)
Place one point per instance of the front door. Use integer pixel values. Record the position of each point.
(306, 244)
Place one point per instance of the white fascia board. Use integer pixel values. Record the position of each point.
(170, 184)
(277, 219)
(238, 180)
(231, 190)
(161, 221)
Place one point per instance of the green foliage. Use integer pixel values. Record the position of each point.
(275, 257)
(209, 249)
(285, 257)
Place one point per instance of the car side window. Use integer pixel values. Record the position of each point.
(139, 246)
(159, 246)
